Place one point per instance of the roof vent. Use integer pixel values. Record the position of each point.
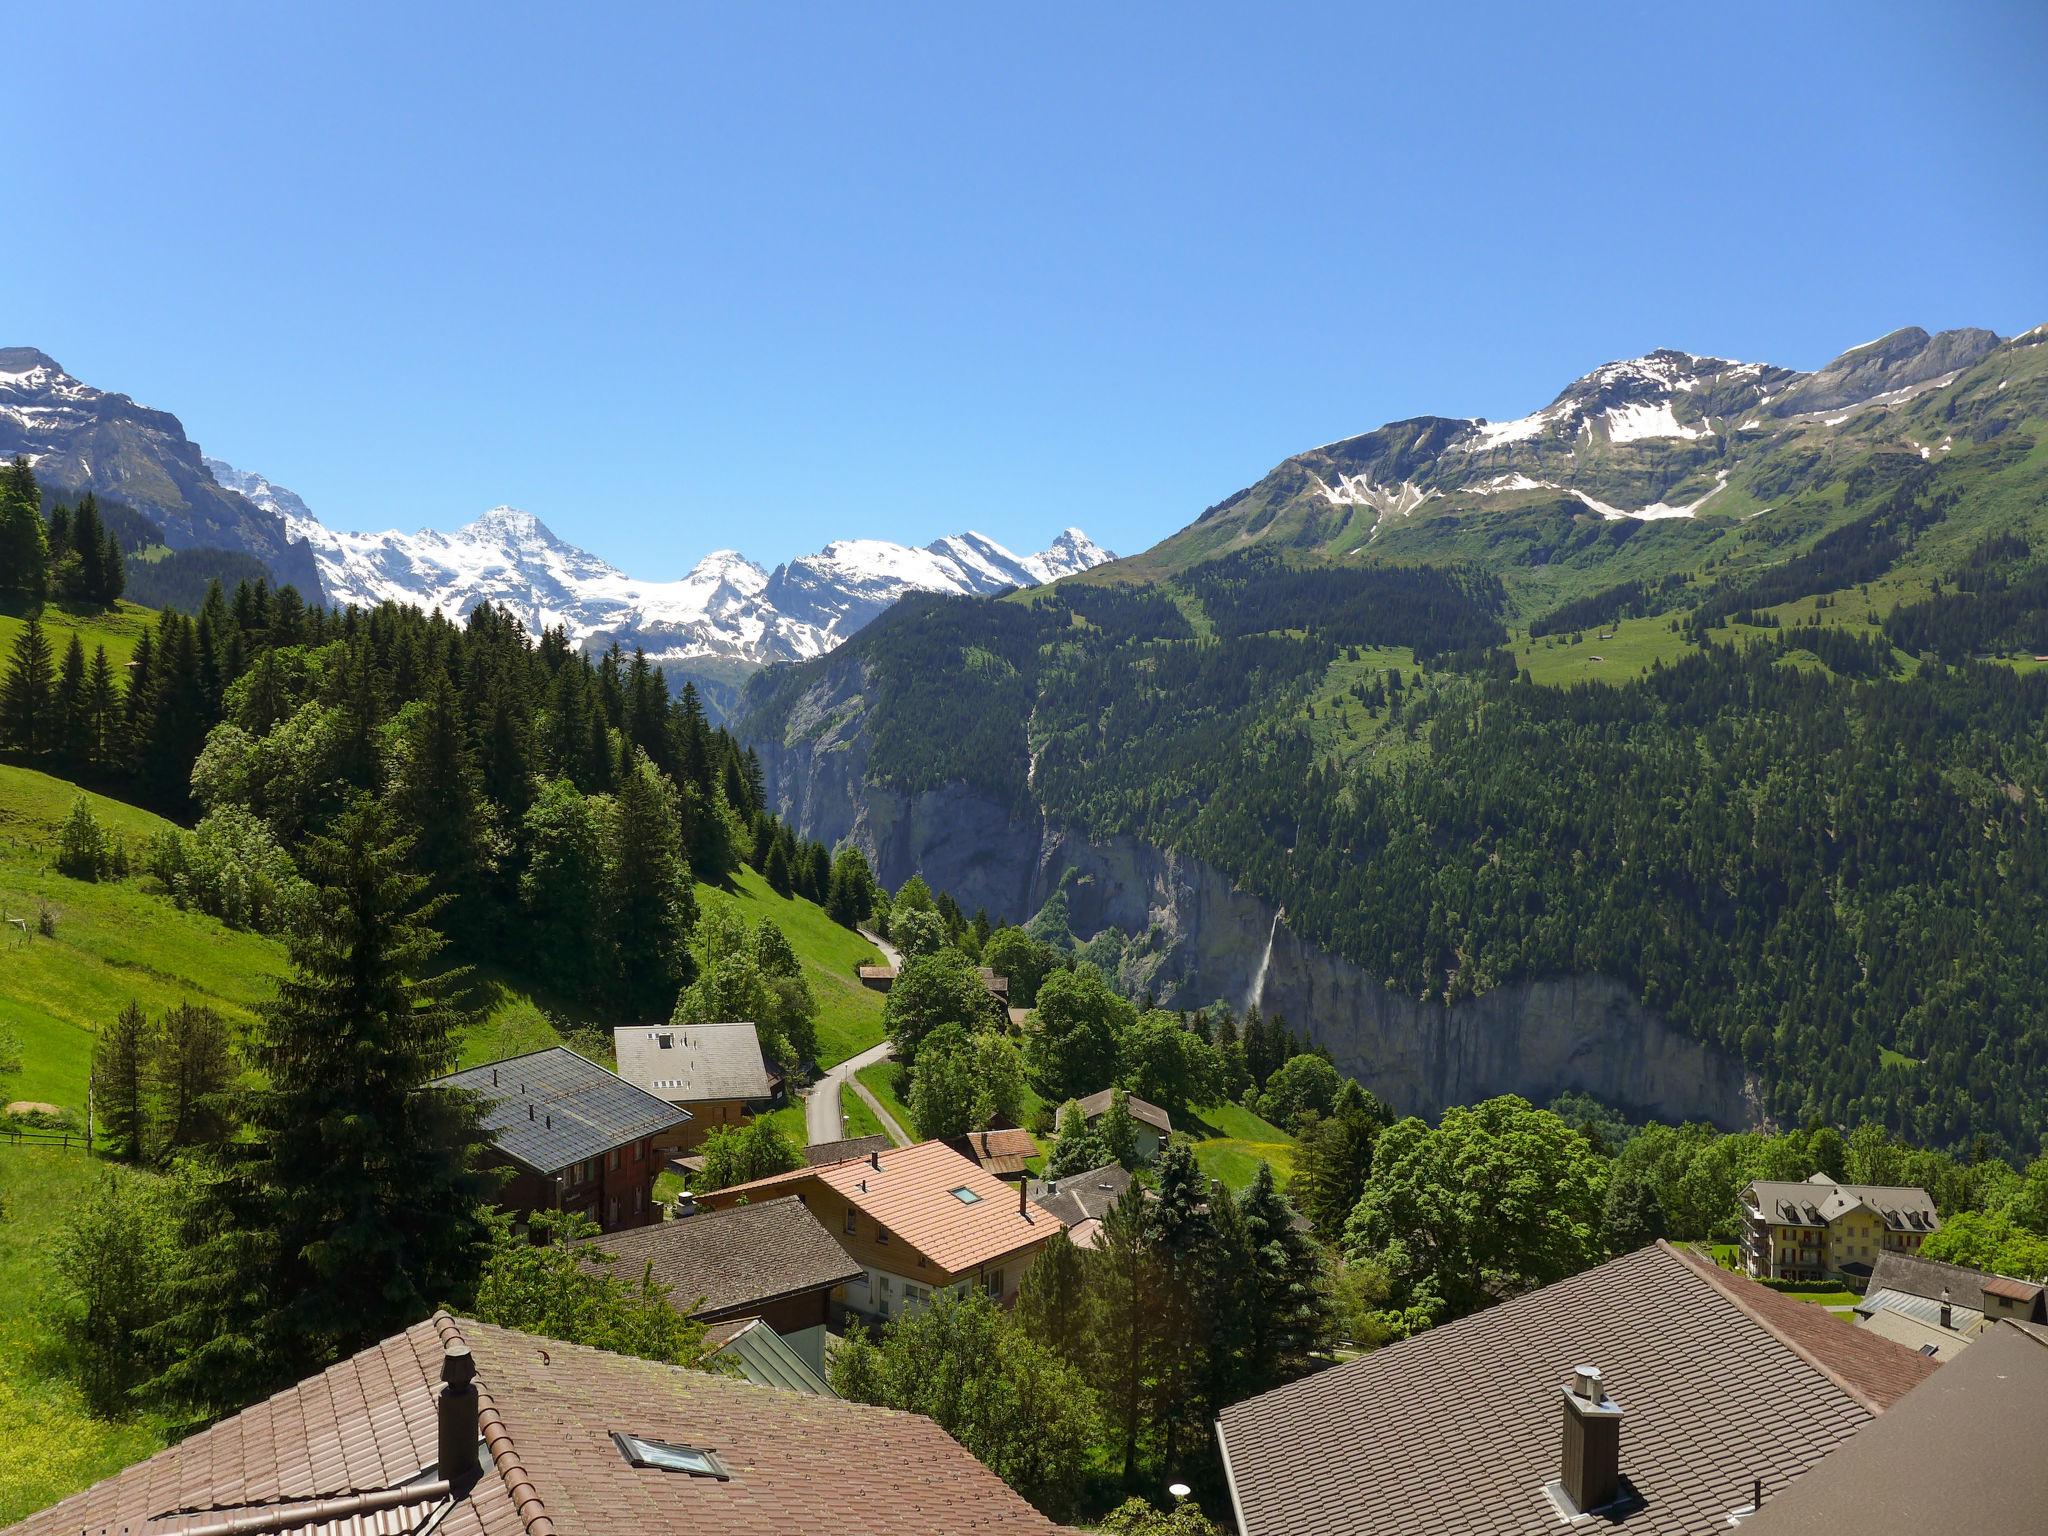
(529, 1111)
(1947, 1313)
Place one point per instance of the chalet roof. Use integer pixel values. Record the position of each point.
(1456, 1430)
(1820, 1200)
(1910, 1275)
(547, 1411)
(552, 1108)
(916, 1192)
(1916, 1333)
(1096, 1105)
(1000, 1152)
(721, 1263)
(1082, 1197)
(819, 1152)
(1959, 1453)
(693, 1063)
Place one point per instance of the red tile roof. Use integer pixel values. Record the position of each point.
(1456, 1431)
(911, 1194)
(547, 1411)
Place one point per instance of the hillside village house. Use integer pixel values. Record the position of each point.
(1819, 1228)
(715, 1071)
(770, 1260)
(1940, 1308)
(1656, 1394)
(459, 1428)
(1081, 1200)
(1155, 1125)
(917, 1220)
(573, 1136)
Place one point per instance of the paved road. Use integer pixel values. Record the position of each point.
(822, 1118)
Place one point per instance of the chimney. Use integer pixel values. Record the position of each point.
(456, 1414)
(529, 1111)
(1947, 1316)
(1022, 1185)
(875, 1161)
(1591, 1475)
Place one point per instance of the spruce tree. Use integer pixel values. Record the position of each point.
(350, 1208)
(102, 711)
(24, 540)
(1179, 1234)
(27, 714)
(1052, 1301)
(1119, 1129)
(120, 1092)
(777, 870)
(1291, 1320)
(436, 795)
(1123, 1279)
(649, 905)
(192, 1071)
(71, 729)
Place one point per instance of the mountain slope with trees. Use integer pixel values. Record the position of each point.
(1806, 831)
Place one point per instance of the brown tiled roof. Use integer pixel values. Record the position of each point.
(741, 1257)
(1876, 1371)
(1457, 1429)
(801, 1465)
(1097, 1105)
(1000, 1152)
(821, 1152)
(911, 1194)
(2011, 1290)
(1960, 1453)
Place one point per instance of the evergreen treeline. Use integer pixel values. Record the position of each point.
(1431, 608)
(1624, 600)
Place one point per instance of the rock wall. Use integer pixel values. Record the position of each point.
(1191, 938)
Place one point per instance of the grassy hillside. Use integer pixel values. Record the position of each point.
(114, 942)
(117, 631)
(55, 1446)
(1231, 1142)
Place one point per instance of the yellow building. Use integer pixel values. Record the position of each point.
(1820, 1228)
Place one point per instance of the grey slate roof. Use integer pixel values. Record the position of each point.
(1959, 1453)
(1819, 1200)
(1910, 1275)
(693, 1063)
(1082, 1197)
(746, 1256)
(552, 1108)
(1455, 1431)
(1096, 1105)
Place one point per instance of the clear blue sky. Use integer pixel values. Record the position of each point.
(679, 277)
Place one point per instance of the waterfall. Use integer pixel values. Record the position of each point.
(1257, 992)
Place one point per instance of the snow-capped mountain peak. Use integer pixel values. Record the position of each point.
(726, 610)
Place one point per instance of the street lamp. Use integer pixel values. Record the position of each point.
(1179, 1491)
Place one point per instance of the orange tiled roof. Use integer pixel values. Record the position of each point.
(911, 1194)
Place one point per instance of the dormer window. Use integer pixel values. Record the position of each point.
(694, 1461)
(666, 1041)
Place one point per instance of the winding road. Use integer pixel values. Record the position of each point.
(822, 1118)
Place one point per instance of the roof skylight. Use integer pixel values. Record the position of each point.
(966, 1196)
(670, 1458)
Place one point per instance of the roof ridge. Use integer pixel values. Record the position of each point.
(1710, 1274)
(497, 1438)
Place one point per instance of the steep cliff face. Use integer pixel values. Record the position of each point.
(1191, 937)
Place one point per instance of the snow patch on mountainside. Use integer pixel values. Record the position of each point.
(727, 608)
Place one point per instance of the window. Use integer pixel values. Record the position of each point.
(639, 1151)
(849, 1218)
(881, 1233)
(992, 1282)
(613, 1207)
(670, 1458)
(966, 1196)
(615, 1159)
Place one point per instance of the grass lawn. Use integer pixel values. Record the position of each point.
(115, 942)
(54, 1444)
(859, 1119)
(849, 1014)
(879, 1079)
(1231, 1142)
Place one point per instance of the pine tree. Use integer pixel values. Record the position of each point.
(1123, 1279)
(1291, 1320)
(119, 1082)
(27, 712)
(350, 1209)
(102, 711)
(436, 794)
(1052, 1301)
(649, 905)
(1119, 1129)
(777, 871)
(191, 1074)
(1179, 1232)
(71, 731)
(24, 540)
